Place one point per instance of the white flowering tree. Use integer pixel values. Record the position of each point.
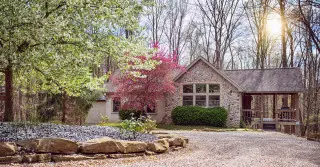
(56, 43)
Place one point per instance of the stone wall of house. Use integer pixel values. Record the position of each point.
(200, 72)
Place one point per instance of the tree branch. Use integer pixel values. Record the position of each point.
(49, 12)
(307, 24)
(48, 78)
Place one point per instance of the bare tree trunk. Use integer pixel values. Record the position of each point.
(283, 34)
(291, 45)
(257, 13)
(223, 18)
(64, 107)
(8, 114)
(20, 110)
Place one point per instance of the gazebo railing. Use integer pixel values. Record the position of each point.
(249, 114)
(286, 115)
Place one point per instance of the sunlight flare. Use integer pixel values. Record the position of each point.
(274, 24)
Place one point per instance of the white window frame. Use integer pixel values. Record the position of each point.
(207, 94)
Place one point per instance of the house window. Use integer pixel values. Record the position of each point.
(151, 110)
(116, 102)
(214, 101)
(187, 100)
(201, 100)
(205, 95)
(201, 88)
(214, 88)
(188, 88)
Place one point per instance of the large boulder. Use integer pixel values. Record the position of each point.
(7, 148)
(156, 147)
(164, 142)
(117, 156)
(11, 159)
(185, 139)
(159, 146)
(177, 142)
(150, 153)
(50, 145)
(60, 158)
(162, 136)
(131, 146)
(36, 158)
(101, 145)
(170, 136)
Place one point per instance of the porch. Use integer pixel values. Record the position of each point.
(272, 111)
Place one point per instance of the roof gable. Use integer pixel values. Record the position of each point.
(212, 67)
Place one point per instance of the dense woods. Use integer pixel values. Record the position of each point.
(46, 45)
(242, 34)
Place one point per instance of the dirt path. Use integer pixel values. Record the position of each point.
(226, 149)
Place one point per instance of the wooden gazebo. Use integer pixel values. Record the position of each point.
(271, 97)
(271, 110)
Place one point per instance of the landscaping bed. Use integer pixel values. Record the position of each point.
(15, 132)
(48, 142)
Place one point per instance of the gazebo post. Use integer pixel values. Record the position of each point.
(261, 110)
(276, 112)
(274, 105)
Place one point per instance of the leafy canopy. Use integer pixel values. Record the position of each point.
(53, 45)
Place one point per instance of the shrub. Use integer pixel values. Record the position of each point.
(186, 115)
(104, 119)
(195, 115)
(131, 127)
(128, 114)
(148, 124)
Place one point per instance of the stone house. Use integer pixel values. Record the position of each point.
(264, 98)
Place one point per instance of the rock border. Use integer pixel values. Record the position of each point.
(58, 149)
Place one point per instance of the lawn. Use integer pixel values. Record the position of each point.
(112, 124)
(193, 127)
(180, 127)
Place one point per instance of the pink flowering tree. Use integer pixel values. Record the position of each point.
(139, 92)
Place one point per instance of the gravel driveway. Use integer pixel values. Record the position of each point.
(226, 149)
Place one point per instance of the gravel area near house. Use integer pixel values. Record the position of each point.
(15, 132)
(223, 149)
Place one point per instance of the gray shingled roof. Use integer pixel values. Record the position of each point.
(268, 80)
(276, 80)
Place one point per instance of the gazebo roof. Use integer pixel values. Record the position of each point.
(275, 80)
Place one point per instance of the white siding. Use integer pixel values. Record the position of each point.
(94, 114)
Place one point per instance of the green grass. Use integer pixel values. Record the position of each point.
(184, 127)
(112, 124)
(193, 127)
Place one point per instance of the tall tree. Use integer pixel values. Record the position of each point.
(51, 41)
(257, 14)
(224, 18)
(169, 24)
(307, 14)
(157, 19)
(282, 4)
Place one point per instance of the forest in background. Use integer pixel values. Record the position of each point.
(231, 34)
(245, 34)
